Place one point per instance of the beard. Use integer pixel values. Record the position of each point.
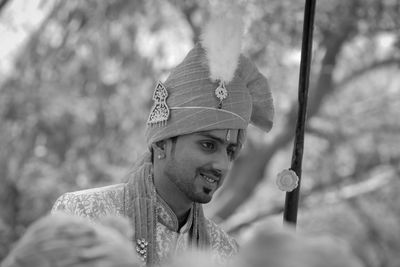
(189, 182)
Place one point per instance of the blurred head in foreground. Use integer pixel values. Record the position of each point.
(195, 258)
(283, 247)
(63, 240)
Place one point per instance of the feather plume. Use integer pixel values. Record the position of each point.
(221, 40)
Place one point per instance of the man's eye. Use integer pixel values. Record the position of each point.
(208, 145)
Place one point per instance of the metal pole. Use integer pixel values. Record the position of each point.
(292, 198)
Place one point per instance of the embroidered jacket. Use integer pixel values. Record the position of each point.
(111, 200)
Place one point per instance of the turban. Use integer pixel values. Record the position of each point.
(214, 87)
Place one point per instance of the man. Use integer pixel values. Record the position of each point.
(195, 129)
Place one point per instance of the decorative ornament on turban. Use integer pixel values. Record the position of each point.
(214, 87)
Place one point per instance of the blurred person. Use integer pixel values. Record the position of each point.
(63, 240)
(195, 130)
(284, 247)
(195, 258)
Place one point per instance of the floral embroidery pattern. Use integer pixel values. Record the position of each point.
(99, 202)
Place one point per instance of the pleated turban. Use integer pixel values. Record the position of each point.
(189, 100)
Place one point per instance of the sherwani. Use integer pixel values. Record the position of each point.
(170, 240)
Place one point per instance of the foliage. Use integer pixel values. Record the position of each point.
(72, 114)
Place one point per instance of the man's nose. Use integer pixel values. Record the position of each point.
(221, 163)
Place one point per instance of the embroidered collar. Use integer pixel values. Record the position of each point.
(168, 218)
(142, 204)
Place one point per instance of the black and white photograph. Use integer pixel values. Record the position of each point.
(219, 133)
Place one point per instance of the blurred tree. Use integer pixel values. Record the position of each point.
(72, 114)
(66, 113)
(342, 29)
(3, 3)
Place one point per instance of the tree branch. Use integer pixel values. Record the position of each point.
(373, 234)
(364, 70)
(3, 4)
(331, 196)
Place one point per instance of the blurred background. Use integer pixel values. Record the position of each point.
(76, 79)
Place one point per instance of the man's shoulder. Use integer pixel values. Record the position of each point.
(98, 191)
(221, 240)
(94, 202)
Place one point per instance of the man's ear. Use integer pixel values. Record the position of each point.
(159, 147)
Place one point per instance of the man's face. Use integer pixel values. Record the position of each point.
(198, 163)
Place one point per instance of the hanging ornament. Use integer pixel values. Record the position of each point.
(221, 93)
